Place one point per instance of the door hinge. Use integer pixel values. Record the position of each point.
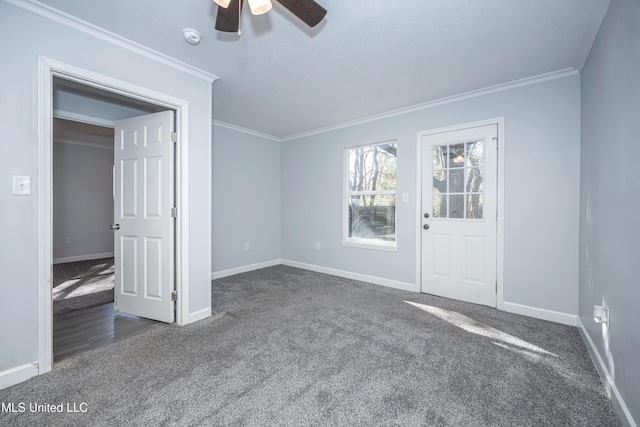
(174, 137)
(174, 296)
(174, 212)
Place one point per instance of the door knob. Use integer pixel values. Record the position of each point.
(115, 226)
(426, 226)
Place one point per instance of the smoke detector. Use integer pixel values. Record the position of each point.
(191, 36)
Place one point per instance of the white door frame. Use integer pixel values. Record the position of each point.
(499, 121)
(47, 69)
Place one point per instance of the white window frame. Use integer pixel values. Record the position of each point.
(358, 242)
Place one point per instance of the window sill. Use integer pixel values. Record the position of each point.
(365, 244)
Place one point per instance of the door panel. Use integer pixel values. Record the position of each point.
(474, 258)
(441, 259)
(128, 269)
(459, 204)
(144, 194)
(153, 180)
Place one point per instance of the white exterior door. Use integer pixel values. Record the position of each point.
(459, 205)
(144, 225)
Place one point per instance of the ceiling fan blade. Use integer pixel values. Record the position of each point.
(310, 12)
(228, 18)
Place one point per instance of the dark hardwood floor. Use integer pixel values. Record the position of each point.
(94, 327)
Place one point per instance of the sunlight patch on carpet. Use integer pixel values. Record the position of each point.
(478, 328)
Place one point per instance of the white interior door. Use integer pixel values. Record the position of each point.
(459, 205)
(144, 225)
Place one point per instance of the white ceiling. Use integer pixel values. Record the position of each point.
(367, 57)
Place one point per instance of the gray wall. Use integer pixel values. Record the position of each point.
(246, 199)
(82, 200)
(19, 156)
(542, 125)
(610, 196)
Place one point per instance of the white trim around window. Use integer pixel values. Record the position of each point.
(360, 242)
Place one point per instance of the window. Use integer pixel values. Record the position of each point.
(370, 197)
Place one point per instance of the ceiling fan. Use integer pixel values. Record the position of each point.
(228, 19)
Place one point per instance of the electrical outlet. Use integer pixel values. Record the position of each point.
(601, 315)
(247, 246)
(67, 240)
(317, 246)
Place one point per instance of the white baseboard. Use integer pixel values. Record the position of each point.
(605, 376)
(244, 269)
(541, 313)
(82, 257)
(331, 271)
(354, 276)
(200, 315)
(18, 374)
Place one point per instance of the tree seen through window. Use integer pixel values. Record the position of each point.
(371, 197)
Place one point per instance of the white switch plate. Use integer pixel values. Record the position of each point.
(405, 197)
(21, 185)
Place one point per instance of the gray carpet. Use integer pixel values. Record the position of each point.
(292, 347)
(82, 284)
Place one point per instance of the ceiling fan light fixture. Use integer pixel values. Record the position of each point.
(258, 7)
(222, 3)
(228, 18)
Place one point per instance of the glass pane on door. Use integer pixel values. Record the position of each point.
(456, 206)
(439, 206)
(474, 206)
(457, 180)
(475, 153)
(473, 180)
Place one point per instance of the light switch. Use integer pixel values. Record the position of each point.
(22, 185)
(405, 197)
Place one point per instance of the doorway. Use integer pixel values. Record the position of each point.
(460, 242)
(84, 316)
(82, 207)
(48, 70)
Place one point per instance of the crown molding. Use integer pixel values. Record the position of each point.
(540, 78)
(245, 130)
(71, 21)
